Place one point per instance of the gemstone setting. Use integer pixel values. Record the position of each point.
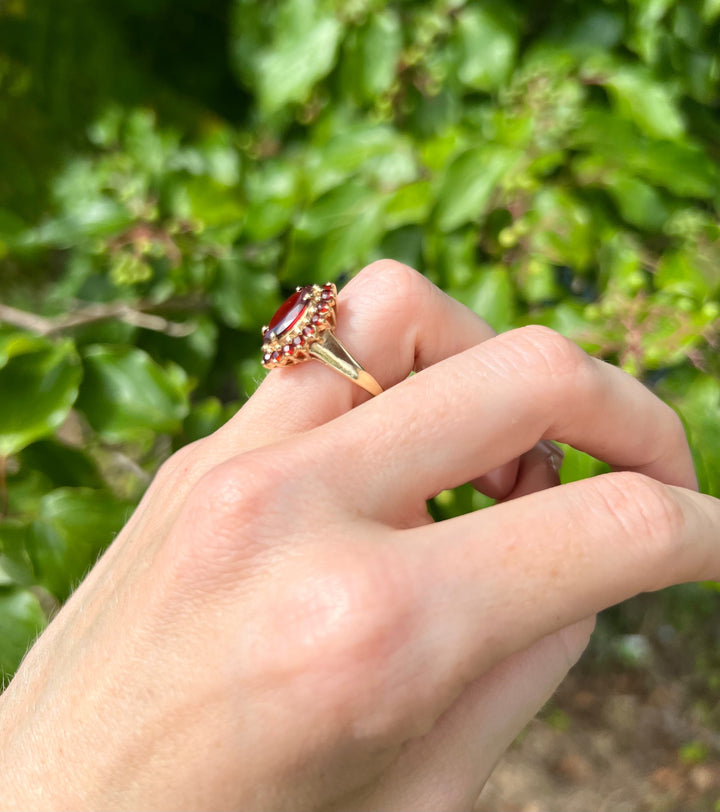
(297, 324)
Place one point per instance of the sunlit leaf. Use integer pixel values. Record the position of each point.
(647, 102)
(381, 44)
(469, 185)
(38, 386)
(73, 527)
(492, 297)
(302, 53)
(126, 395)
(21, 620)
(488, 38)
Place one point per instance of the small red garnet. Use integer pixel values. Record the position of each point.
(289, 312)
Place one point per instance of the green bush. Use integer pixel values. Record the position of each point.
(168, 172)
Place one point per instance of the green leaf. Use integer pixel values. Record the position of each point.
(565, 232)
(620, 264)
(12, 344)
(216, 206)
(73, 527)
(38, 386)
(678, 272)
(595, 29)
(273, 195)
(333, 160)
(21, 620)
(639, 203)
(536, 281)
(380, 47)
(569, 319)
(125, 395)
(244, 297)
(15, 565)
(469, 184)
(61, 464)
(681, 167)
(99, 217)
(194, 352)
(342, 227)
(696, 396)
(409, 204)
(302, 53)
(579, 465)
(488, 45)
(205, 418)
(492, 296)
(647, 102)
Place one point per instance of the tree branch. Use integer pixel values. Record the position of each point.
(135, 315)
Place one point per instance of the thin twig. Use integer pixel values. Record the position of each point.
(27, 321)
(135, 315)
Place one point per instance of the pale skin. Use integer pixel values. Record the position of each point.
(280, 625)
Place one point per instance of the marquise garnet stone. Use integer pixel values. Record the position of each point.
(297, 323)
(289, 312)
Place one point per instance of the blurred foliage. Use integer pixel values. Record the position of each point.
(169, 171)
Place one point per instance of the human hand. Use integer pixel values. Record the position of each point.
(281, 626)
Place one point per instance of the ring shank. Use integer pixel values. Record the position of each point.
(332, 353)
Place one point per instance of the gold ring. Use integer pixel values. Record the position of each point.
(302, 328)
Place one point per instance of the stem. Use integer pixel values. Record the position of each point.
(135, 314)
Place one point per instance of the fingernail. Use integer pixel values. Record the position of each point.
(500, 481)
(553, 454)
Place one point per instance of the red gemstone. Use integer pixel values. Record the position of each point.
(289, 312)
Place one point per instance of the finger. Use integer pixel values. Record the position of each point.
(475, 411)
(537, 470)
(521, 570)
(447, 768)
(394, 321)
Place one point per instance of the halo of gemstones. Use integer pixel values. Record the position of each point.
(297, 324)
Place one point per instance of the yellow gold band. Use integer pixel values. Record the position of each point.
(332, 353)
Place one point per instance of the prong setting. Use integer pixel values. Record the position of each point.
(298, 323)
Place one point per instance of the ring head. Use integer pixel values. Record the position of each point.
(297, 324)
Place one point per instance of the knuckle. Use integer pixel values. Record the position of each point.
(345, 626)
(545, 351)
(178, 467)
(239, 488)
(645, 510)
(228, 519)
(392, 279)
(371, 606)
